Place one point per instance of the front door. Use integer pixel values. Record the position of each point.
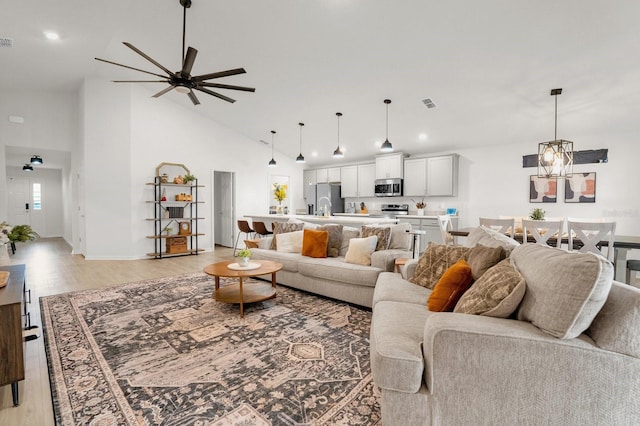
(25, 203)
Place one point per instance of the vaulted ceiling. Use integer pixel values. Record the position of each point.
(488, 66)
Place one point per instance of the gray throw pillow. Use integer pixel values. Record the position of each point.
(335, 239)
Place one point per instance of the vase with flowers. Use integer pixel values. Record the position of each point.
(420, 205)
(279, 193)
(244, 255)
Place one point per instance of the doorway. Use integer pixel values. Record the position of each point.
(224, 202)
(25, 203)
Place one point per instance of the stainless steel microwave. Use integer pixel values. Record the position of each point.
(388, 187)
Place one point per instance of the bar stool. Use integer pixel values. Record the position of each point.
(632, 265)
(243, 226)
(261, 229)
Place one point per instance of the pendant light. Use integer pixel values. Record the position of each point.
(555, 158)
(36, 159)
(338, 152)
(386, 146)
(272, 162)
(300, 158)
(27, 168)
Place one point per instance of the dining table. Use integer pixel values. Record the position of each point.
(621, 246)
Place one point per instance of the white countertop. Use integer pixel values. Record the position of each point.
(340, 219)
(415, 216)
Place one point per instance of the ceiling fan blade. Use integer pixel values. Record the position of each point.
(217, 95)
(227, 86)
(163, 91)
(147, 57)
(188, 62)
(193, 97)
(219, 74)
(131, 68)
(140, 81)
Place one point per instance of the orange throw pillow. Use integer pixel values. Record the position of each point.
(450, 287)
(314, 243)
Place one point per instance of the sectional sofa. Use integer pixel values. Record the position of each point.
(569, 354)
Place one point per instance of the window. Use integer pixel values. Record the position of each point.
(37, 196)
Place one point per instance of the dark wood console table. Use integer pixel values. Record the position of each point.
(12, 308)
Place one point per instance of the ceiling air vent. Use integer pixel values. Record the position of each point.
(428, 103)
(6, 42)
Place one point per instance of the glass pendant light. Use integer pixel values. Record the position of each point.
(338, 152)
(27, 168)
(272, 162)
(36, 159)
(300, 158)
(386, 146)
(555, 158)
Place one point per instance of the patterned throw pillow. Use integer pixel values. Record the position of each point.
(335, 239)
(283, 228)
(435, 260)
(383, 234)
(481, 258)
(497, 293)
(450, 287)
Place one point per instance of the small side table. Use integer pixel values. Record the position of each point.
(400, 262)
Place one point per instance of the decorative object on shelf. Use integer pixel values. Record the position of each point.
(338, 152)
(279, 193)
(179, 180)
(537, 214)
(164, 178)
(300, 158)
(184, 197)
(272, 162)
(176, 245)
(386, 146)
(184, 228)
(580, 188)
(164, 195)
(188, 178)
(555, 158)
(543, 189)
(244, 255)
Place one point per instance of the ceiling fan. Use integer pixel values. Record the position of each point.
(182, 80)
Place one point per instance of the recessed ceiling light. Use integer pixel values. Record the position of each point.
(422, 136)
(314, 153)
(377, 144)
(51, 35)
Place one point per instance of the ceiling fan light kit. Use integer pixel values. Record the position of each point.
(338, 152)
(182, 81)
(555, 158)
(386, 146)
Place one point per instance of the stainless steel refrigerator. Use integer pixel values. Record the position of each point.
(328, 198)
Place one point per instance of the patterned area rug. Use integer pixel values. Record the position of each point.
(163, 352)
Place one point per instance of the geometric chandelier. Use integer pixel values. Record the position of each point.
(555, 158)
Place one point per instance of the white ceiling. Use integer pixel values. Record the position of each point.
(488, 66)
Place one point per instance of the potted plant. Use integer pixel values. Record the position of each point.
(188, 178)
(22, 233)
(537, 214)
(244, 255)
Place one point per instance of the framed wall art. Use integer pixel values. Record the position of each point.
(542, 189)
(580, 188)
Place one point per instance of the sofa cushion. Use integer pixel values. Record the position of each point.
(565, 290)
(289, 260)
(391, 286)
(396, 336)
(336, 269)
(450, 287)
(496, 294)
(360, 250)
(400, 238)
(348, 233)
(282, 228)
(335, 239)
(490, 238)
(314, 243)
(383, 234)
(436, 259)
(617, 325)
(386, 259)
(481, 258)
(289, 242)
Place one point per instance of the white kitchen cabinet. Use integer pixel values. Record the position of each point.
(428, 224)
(349, 181)
(389, 166)
(415, 177)
(322, 175)
(309, 177)
(442, 176)
(358, 181)
(333, 174)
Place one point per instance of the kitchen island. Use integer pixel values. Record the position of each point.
(355, 221)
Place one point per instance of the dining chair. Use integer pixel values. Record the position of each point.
(243, 226)
(500, 225)
(591, 233)
(542, 230)
(444, 221)
(261, 229)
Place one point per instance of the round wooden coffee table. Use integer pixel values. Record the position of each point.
(239, 293)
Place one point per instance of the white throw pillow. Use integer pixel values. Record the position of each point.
(289, 242)
(360, 250)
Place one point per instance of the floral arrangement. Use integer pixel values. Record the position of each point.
(5, 230)
(245, 252)
(279, 191)
(17, 233)
(419, 204)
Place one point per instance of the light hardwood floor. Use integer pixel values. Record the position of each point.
(52, 269)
